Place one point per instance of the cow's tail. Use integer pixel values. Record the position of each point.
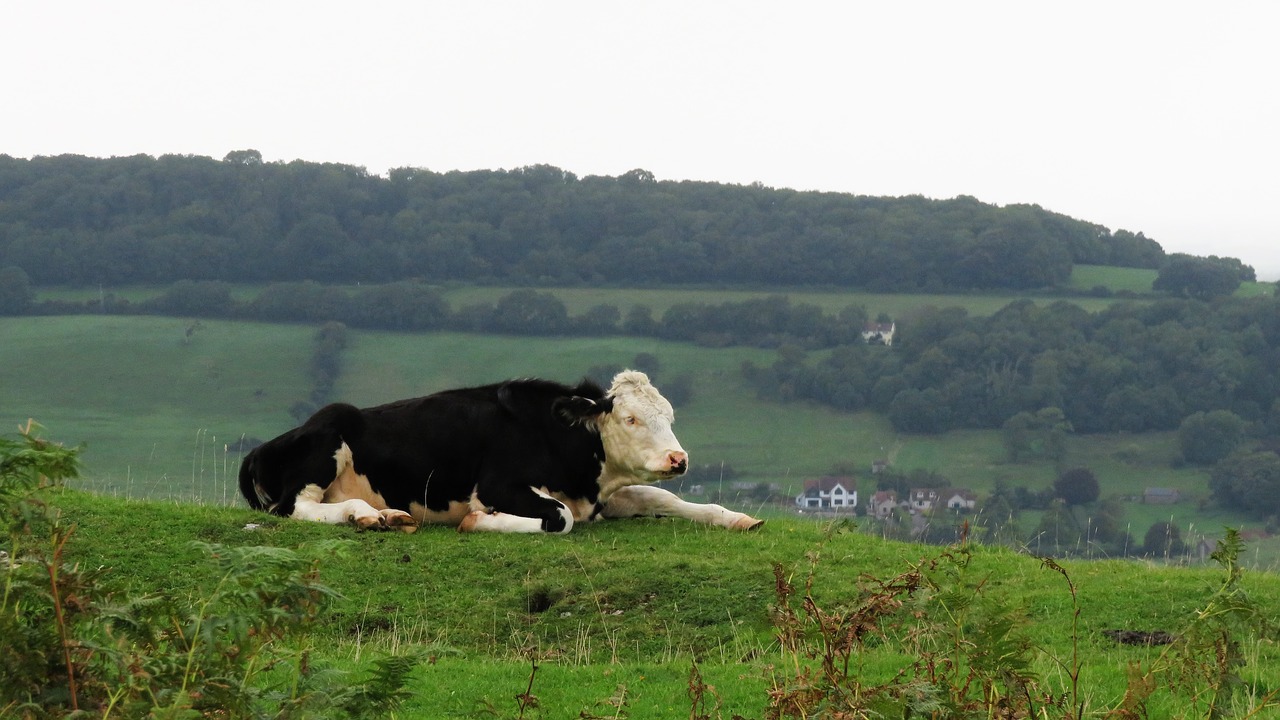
(249, 486)
(273, 473)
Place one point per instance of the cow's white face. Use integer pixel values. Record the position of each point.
(639, 445)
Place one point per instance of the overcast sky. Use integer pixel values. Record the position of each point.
(1156, 117)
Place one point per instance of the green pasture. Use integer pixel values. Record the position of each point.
(1085, 278)
(616, 613)
(154, 400)
(1114, 279)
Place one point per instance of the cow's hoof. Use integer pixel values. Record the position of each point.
(746, 522)
(368, 522)
(470, 522)
(399, 520)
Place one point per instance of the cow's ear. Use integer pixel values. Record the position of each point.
(575, 409)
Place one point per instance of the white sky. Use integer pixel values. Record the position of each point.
(1156, 117)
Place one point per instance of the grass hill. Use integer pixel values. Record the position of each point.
(616, 613)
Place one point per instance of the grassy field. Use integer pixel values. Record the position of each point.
(156, 409)
(617, 612)
(1084, 278)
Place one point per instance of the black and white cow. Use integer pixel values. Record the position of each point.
(518, 456)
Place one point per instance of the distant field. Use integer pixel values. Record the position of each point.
(1115, 279)
(1138, 280)
(153, 406)
(1084, 278)
(579, 299)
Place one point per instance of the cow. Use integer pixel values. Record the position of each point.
(527, 455)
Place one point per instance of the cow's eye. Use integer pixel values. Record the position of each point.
(629, 419)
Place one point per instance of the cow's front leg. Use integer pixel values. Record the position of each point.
(527, 510)
(648, 501)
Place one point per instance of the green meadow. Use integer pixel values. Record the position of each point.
(615, 615)
(157, 405)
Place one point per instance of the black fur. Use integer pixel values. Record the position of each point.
(499, 440)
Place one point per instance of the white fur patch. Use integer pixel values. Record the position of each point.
(481, 521)
(310, 506)
(637, 434)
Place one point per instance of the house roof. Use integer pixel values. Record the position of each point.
(828, 483)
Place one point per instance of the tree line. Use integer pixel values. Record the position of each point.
(77, 220)
(1132, 367)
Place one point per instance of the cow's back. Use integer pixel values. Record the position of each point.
(444, 446)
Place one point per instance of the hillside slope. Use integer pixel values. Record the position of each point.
(652, 596)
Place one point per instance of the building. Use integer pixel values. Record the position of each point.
(882, 504)
(922, 500)
(1161, 496)
(878, 333)
(829, 493)
(959, 499)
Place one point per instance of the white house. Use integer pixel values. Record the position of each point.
(878, 333)
(922, 500)
(828, 493)
(959, 499)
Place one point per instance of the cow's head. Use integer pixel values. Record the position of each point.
(639, 445)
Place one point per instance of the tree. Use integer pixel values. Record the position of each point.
(529, 312)
(1206, 438)
(1107, 526)
(639, 321)
(647, 363)
(1042, 434)
(399, 306)
(243, 157)
(1195, 277)
(1163, 539)
(1058, 529)
(919, 411)
(1077, 486)
(15, 291)
(1248, 481)
(997, 517)
(598, 320)
(205, 298)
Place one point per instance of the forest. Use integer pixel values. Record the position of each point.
(77, 220)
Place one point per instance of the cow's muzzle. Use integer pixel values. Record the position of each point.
(677, 462)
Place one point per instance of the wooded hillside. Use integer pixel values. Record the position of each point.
(77, 220)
